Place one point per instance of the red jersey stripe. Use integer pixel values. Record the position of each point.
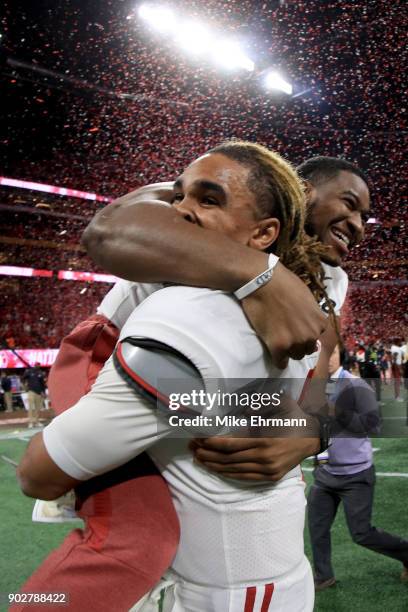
(250, 599)
(267, 598)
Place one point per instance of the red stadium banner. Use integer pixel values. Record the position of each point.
(62, 274)
(63, 191)
(45, 357)
(17, 271)
(86, 276)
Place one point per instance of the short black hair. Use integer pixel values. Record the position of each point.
(321, 169)
(344, 357)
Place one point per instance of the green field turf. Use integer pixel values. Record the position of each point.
(367, 581)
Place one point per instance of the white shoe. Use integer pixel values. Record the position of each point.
(61, 510)
(399, 399)
(30, 425)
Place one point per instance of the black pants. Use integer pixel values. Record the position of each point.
(372, 374)
(356, 492)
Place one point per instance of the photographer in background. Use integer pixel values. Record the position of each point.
(346, 474)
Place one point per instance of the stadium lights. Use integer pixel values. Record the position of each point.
(195, 37)
(228, 54)
(273, 80)
(160, 18)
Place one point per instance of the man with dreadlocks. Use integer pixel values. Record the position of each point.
(224, 559)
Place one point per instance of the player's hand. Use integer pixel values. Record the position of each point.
(252, 459)
(286, 316)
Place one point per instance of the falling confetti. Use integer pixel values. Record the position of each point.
(97, 101)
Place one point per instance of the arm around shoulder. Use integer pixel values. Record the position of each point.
(148, 241)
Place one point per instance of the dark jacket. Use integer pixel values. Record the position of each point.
(34, 380)
(6, 384)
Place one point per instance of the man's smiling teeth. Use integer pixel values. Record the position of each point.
(340, 235)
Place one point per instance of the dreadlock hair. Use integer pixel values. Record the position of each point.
(279, 192)
(321, 169)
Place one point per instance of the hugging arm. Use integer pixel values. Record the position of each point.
(141, 239)
(105, 429)
(253, 459)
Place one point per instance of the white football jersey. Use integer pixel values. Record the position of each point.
(232, 533)
(336, 284)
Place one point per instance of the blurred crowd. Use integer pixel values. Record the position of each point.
(375, 310)
(379, 362)
(39, 312)
(164, 109)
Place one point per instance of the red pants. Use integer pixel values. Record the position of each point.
(131, 528)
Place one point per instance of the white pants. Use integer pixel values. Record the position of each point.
(293, 592)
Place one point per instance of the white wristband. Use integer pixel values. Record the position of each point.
(258, 281)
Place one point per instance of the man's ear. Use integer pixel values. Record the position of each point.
(265, 233)
(310, 192)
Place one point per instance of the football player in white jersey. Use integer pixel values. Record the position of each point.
(264, 231)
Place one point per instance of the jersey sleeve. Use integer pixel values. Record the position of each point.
(123, 298)
(106, 428)
(336, 284)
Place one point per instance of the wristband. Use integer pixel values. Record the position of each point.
(258, 281)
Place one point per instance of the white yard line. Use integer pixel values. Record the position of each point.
(8, 460)
(23, 435)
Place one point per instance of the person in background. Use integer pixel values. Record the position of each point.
(383, 362)
(349, 361)
(8, 396)
(347, 475)
(405, 363)
(397, 356)
(372, 370)
(360, 358)
(35, 384)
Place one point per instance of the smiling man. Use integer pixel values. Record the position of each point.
(338, 204)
